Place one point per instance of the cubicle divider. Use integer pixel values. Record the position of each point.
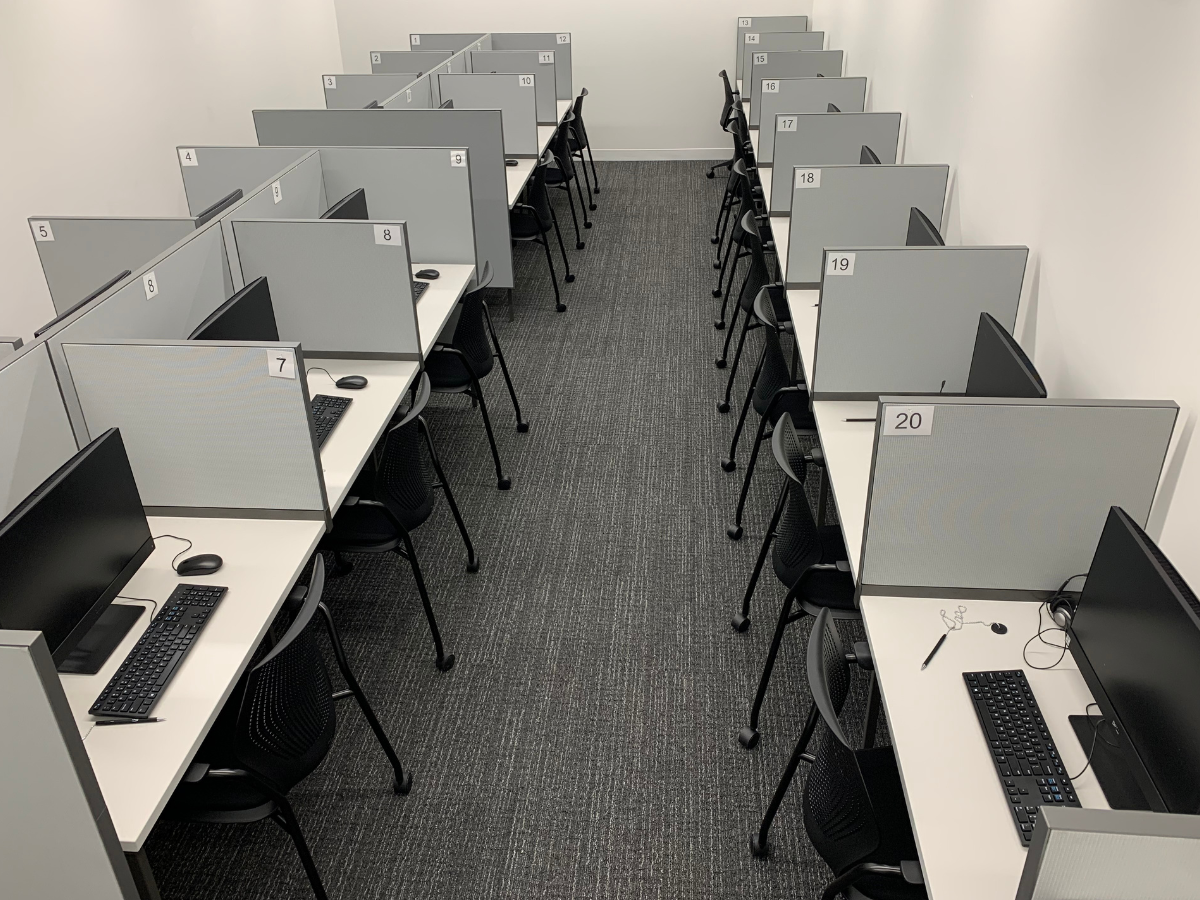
(828, 139)
(787, 64)
(559, 42)
(805, 95)
(539, 63)
(80, 254)
(452, 42)
(210, 173)
(9, 344)
(758, 43)
(358, 91)
(762, 25)
(861, 206)
(233, 438)
(1002, 498)
(478, 131)
(513, 95)
(417, 95)
(36, 438)
(900, 320)
(387, 62)
(341, 288)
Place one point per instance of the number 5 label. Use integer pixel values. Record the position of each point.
(42, 231)
(840, 264)
(904, 421)
(389, 235)
(807, 178)
(281, 363)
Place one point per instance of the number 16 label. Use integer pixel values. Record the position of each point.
(903, 421)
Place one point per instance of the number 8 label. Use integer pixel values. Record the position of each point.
(388, 235)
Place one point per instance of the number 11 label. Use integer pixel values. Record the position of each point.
(908, 421)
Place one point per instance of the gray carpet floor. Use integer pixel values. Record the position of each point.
(584, 746)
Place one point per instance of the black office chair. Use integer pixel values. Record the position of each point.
(759, 277)
(562, 173)
(854, 808)
(532, 221)
(743, 150)
(391, 498)
(275, 729)
(749, 196)
(578, 142)
(458, 367)
(731, 98)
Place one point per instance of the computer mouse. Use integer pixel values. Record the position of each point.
(510, 162)
(352, 382)
(429, 274)
(999, 628)
(204, 564)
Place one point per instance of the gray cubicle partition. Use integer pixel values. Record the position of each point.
(386, 62)
(480, 132)
(559, 42)
(805, 95)
(36, 438)
(1003, 498)
(341, 288)
(539, 63)
(762, 24)
(59, 840)
(9, 344)
(825, 139)
(777, 42)
(861, 206)
(451, 42)
(233, 438)
(357, 91)
(417, 95)
(213, 172)
(902, 320)
(787, 64)
(79, 254)
(513, 95)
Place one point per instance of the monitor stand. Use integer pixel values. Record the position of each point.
(94, 649)
(1121, 789)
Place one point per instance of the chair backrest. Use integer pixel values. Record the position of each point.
(403, 480)
(561, 148)
(759, 274)
(838, 814)
(798, 544)
(773, 374)
(730, 100)
(577, 126)
(286, 719)
(535, 192)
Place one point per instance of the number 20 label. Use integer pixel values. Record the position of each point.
(903, 421)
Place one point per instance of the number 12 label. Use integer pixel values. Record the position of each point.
(906, 421)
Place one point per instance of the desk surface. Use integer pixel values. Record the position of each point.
(440, 298)
(516, 177)
(138, 766)
(965, 834)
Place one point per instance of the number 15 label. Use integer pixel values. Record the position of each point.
(903, 421)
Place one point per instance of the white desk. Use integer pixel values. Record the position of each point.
(517, 176)
(965, 834)
(848, 448)
(138, 766)
(440, 298)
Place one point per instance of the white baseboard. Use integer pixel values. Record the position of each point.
(713, 153)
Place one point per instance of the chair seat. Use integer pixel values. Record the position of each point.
(368, 528)
(525, 227)
(228, 800)
(574, 144)
(447, 372)
(556, 176)
(790, 559)
(882, 780)
(794, 403)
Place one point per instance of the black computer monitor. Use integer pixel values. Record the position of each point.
(1135, 636)
(867, 157)
(831, 108)
(374, 104)
(352, 206)
(70, 547)
(922, 232)
(86, 300)
(999, 367)
(207, 215)
(246, 316)
(447, 104)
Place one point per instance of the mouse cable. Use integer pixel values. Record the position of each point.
(1096, 722)
(321, 369)
(181, 552)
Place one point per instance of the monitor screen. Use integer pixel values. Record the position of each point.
(246, 316)
(867, 157)
(352, 206)
(999, 367)
(922, 232)
(1136, 638)
(72, 545)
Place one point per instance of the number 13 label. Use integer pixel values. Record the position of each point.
(903, 421)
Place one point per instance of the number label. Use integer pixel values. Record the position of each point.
(807, 178)
(331, 81)
(840, 264)
(905, 421)
(42, 231)
(187, 156)
(376, 58)
(525, 80)
(546, 57)
(785, 123)
(563, 38)
(770, 87)
(276, 191)
(415, 39)
(150, 285)
(408, 96)
(458, 158)
(760, 59)
(389, 235)
(281, 363)
(745, 23)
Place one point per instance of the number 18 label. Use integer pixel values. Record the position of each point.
(904, 421)
(808, 178)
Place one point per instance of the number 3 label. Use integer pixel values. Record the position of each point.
(840, 264)
(905, 421)
(331, 81)
(389, 235)
(281, 363)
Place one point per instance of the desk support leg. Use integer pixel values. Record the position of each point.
(510, 304)
(143, 876)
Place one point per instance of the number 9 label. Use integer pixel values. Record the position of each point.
(908, 421)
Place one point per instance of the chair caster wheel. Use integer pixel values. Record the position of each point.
(579, 245)
(759, 850)
(446, 663)
(592, 207)
(719, 363)
(595, 190)
(403, 786)
(720, 325)
(522, 427)
(716, 292)
(728, 465)
(473, 565)
(341, 567)
(570, 279)
(711, 175)
(503, 484)
(714, 240)
(723, 406)
(740, 623)
(588, 224)
(748, 738)
(562, 307)
(734, 532)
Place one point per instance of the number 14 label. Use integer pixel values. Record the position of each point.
(903, 421)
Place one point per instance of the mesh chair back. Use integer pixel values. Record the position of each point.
(537, 196)
(727, 109)
(798, 542)
(773, 374)
(580, 132)
(403, 476)
(759, 274)
(838, 814)
(561, 148)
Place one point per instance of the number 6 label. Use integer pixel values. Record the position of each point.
(389, 235)
(903, 421)
(840, 264)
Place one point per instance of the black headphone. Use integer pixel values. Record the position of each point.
(1062, 611)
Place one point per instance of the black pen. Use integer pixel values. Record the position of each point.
(128, 721)
(872, 419)
(933, 652)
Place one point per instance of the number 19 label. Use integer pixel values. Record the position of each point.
(840, 264)
(908, 421)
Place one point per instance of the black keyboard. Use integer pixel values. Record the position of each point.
(148, 668)
(1026, 759)
(326, 411)
(419, 287)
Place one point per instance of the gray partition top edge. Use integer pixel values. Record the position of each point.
(790, 63)
(384, 62)
(560, 42)
(806, 94)
(761, 24)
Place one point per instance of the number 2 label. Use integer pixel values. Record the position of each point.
(905, 421)
(376, 58)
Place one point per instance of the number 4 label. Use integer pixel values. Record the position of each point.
(331, 81)
(525, 80)
(187, 156)
(840, 264)
(905, 421)
(760, 59)
(281, 363)
(808, 178)
(389, 235)
(546, 57)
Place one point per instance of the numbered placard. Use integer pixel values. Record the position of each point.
(784, 123)
(760, 59)
(458, 158)
(187, 156)
(150, 282)
(281, 362)
(389, 235)
(376, 58)
(770, 87)
(562, 38)
(751, 37)
(525, 80)
(546, 57)
(415, 40)
(840, 264)
(908, 421)
(408, 96)
(745, 23)
(331, 81)
(277, 189)
(42, 231)
(807, 178)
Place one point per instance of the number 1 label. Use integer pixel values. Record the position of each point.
(281, 363)
(840, 264)
(908, 421)
(389, 235)
(415, 39)
(807, 178)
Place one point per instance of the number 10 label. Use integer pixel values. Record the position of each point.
(905, 421)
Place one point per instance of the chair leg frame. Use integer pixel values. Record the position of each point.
(568, 278)
(730, 462)
(748, 324)
(789, 611)
(444, 482)
(522, 425)
(476, 394)
(761, 436)
(759, 844)
(444, 661)
(737, 310)
(285, 818)
(741, 621)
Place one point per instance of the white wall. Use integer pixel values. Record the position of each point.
(650, 67)
(1073, 127)
(98, 94)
